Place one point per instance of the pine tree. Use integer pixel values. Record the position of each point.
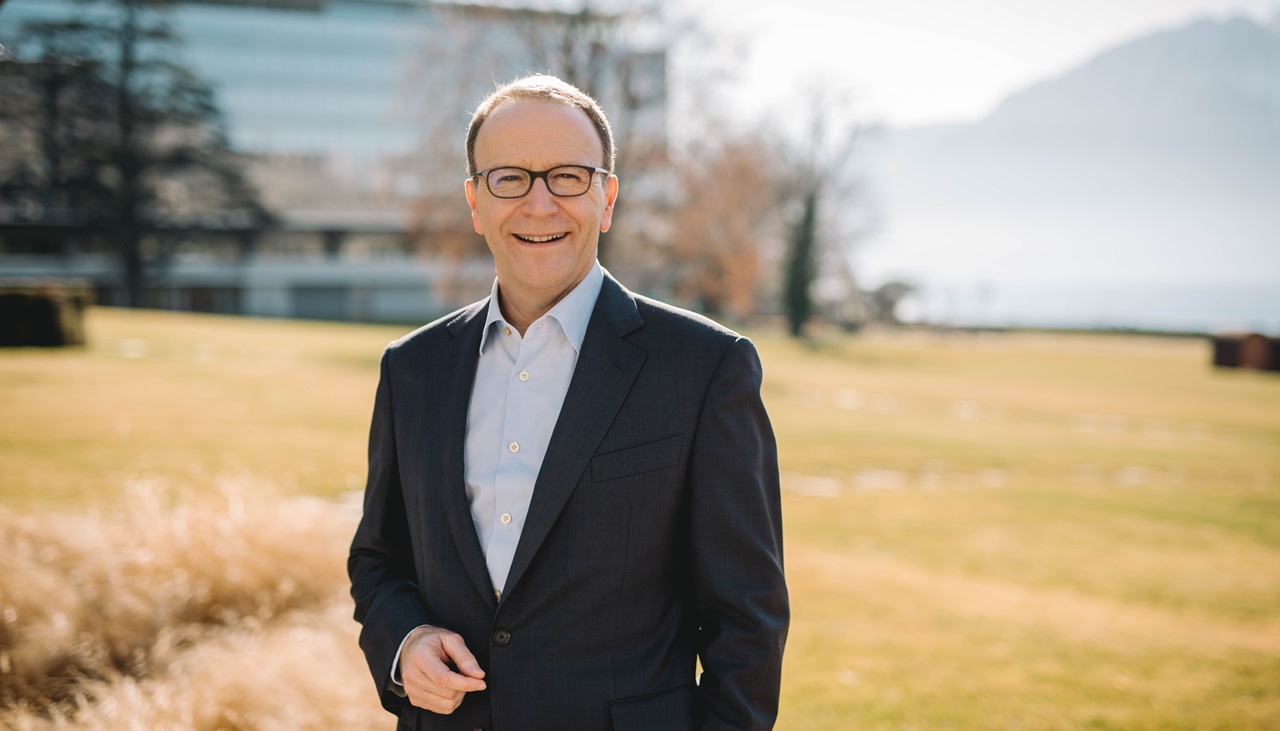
(111, 124)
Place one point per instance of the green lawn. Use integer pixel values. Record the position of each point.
(1020, 531)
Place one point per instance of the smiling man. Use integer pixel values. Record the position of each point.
(572, 496)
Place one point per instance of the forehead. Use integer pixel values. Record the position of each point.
(537, 133)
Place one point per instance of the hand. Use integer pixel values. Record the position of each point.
(425, 668)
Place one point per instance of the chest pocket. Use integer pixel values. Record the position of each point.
(637, 460)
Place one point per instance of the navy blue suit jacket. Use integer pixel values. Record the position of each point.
(653, 538)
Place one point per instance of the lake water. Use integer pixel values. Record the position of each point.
(1146, 306)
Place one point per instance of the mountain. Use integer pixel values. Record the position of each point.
(1156, 162)
(1208, 77)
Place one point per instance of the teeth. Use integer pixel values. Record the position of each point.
(540, 239)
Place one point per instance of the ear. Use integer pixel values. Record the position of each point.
(610, 197)
(470, 187)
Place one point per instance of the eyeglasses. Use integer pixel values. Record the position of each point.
(564, 181)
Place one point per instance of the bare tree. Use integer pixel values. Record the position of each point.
(458, 64)
(725, 224)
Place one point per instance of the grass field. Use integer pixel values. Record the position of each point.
(995, 531)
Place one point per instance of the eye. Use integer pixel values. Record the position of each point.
(571, 175)
(506, 177)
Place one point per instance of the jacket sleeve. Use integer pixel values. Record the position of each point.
(380, 564)
(740, 589)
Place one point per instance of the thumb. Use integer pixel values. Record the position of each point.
(456, 649)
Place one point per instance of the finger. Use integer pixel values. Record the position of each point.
(423, 692)
(422, 682)
(456, 648)
(446, 678)
(432, 702)
(429, 668)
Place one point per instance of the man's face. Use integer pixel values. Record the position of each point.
(542, 245)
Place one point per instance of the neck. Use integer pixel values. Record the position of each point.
(520, 306)
(521, 311)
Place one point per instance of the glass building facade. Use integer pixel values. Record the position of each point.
(307, 78)
(336, 108)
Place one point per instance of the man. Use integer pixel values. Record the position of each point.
(573, 490)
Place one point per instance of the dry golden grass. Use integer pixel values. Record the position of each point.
(302, 671)
(117, 594)
(189, 400)
(982, 532)
(1028, 532)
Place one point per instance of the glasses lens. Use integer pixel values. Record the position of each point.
(566, 180)
(508, 182)
(569, 180)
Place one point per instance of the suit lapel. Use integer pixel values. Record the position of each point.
(606, 367)
(457, 363)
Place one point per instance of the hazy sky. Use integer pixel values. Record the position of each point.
(913, 62)
(916, 62)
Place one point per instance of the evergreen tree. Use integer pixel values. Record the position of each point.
(114, 135)
(802, 263)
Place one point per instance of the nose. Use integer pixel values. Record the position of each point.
(539, 199)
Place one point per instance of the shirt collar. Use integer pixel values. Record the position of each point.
(573, 311)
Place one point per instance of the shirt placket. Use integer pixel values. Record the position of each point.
(516, 471)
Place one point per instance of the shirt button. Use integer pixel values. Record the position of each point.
(506, 518)
(506, 331)
(513, 447)
(501, 636)
(524, 375)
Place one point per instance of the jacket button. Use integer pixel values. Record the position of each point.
(501, 636)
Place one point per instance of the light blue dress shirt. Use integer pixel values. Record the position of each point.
(520, 386)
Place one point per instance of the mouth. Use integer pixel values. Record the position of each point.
(541, 239)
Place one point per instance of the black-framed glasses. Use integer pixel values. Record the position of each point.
(564, 181)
